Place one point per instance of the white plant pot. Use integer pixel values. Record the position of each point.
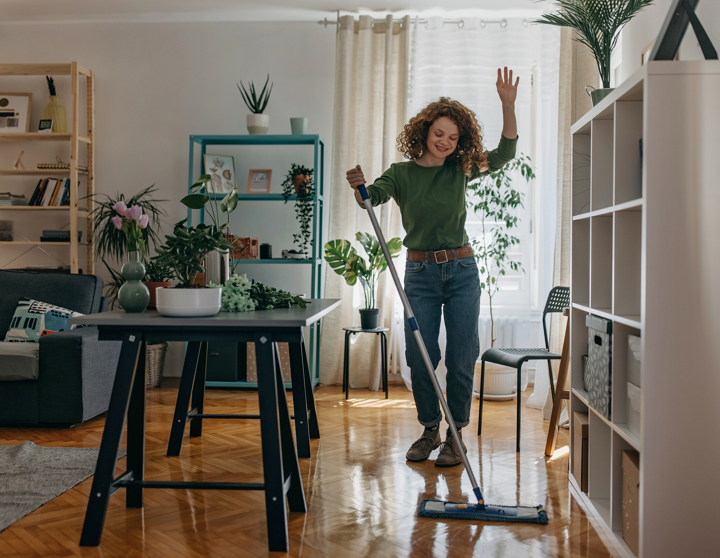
(500, 382)
(258, 124)
(188, 303)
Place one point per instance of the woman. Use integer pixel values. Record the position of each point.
(445, 150)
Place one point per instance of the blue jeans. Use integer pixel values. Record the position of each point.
(453, 290)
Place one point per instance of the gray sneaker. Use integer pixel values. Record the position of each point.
(449, 455)
(423, 446)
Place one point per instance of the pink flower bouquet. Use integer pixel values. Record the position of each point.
(131, 221)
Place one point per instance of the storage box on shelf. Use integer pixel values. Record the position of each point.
(644, 224)
(78, 112)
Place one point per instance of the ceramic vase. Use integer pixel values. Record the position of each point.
(55, 111)
(133, 296)
(258, 124)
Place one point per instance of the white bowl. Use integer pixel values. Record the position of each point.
(188, 303)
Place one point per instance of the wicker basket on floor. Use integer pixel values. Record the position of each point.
(154, 362)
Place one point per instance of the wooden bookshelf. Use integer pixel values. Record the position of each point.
(76, 139)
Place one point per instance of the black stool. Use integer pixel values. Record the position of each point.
(383, 359)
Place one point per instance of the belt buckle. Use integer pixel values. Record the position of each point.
(444, 252)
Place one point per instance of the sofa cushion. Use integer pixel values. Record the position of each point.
(33, 319)
(81, 293)
(19, 361)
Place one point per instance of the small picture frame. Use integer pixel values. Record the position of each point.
(222, 170)
(45, 126)
(15, 113)
(259, 181)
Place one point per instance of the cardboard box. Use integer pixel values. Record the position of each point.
(580, 449)
(631, 499)
(599, 366)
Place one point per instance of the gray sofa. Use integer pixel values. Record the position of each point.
(75, 370)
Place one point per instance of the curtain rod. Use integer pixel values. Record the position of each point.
(459, 22)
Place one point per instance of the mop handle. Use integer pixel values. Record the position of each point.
(418, 337)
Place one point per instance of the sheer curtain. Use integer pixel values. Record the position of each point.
(461, 63)
(371, 79)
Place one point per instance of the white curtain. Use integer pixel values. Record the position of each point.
(371, 79)
(461, 63)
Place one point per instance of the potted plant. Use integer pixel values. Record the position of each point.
(184, 252)
(218, 261)
(494, 199)
(133, 295)
(345, 261)
(156, 275)
(598, 25)
(299, 180)
(257, 122)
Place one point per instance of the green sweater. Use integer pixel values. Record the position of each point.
(432, 199)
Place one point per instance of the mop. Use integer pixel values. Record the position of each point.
(438, 508)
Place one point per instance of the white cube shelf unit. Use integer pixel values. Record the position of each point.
(645, 255)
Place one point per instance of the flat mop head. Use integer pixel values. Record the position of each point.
(483, 512)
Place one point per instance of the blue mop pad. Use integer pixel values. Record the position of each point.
(455, 510)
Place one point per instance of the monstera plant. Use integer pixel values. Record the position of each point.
(344, 260)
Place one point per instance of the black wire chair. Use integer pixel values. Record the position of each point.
(557, 301)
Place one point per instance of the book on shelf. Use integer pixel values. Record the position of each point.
(49, 192)
(54, 196)
(65, 200)
(36, 193)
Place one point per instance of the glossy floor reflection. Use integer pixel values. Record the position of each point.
(362, 495)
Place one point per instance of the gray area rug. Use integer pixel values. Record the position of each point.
(32, 475)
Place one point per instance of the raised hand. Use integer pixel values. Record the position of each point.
(505, 88)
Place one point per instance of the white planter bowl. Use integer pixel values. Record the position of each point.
(258, 124)
(188, 303)
(500, 382)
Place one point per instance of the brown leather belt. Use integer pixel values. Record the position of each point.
(441, 256)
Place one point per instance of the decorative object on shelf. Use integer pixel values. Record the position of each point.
(494, 199)
(243, 248)
(292, 255)
(59, 164)
(257, 122)
(156, 275)
(54, 110)
(345, 261)
(8, 199)
(598, 26)
(298, 125)
(184, 252)
(19, 164)
(221, 168)
(265, 252)
(15, 112)
(45, 126)
(58, 235)
(300, 180)
(259, 181)
(680, 14)
(599, 364)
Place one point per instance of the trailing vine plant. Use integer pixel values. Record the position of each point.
(299, 180)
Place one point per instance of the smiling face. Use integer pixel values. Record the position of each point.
(442, 138)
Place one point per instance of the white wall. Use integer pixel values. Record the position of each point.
(157, 83)
(644, 29)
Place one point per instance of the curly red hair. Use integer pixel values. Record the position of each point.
(470, 152)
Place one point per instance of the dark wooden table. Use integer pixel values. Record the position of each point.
(280, 461)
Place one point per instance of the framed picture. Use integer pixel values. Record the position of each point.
(222, 170)
(259, 181)
(45, 126)
(15, 112)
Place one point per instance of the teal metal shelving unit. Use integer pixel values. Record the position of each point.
(315, 260)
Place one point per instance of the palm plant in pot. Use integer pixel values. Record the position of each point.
(495, 199)
(299, 180)
(345, 261)
(183, 253)
(598, 24)
(257, 122)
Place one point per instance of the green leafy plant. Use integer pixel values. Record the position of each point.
(598, 24)
(156, 272)
(110, 242)
(345, 261)
(299, 180)
(184, 250)
(201, 198)
(256, 103)
(494, 199)
(242, 295)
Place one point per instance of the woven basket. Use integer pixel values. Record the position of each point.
(154, 361)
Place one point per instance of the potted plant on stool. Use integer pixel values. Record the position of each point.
(345, 261)
(494, 199)
(184, 252)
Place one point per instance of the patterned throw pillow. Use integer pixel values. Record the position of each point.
(33, 319)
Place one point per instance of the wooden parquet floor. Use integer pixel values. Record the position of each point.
(362, 495)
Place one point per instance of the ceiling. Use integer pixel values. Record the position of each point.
(69, 11)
